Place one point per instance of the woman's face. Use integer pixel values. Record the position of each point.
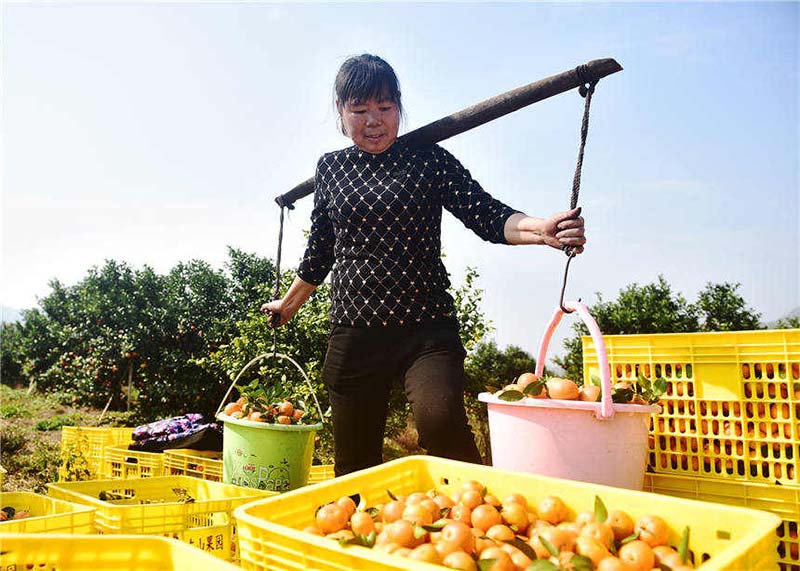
(372, 124)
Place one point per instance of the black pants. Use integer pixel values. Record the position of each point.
(360, 368)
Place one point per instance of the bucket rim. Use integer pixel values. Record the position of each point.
(529, 402)
(224, 418)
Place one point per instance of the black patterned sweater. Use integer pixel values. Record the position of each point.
(379, 218)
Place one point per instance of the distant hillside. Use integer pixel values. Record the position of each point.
(9, 314)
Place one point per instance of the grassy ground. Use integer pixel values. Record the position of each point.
(30, 435)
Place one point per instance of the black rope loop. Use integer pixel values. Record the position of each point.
(588, 81)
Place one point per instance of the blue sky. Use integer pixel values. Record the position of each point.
(159, 132)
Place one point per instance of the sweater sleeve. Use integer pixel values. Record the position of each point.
(318, 258)
(463, 197)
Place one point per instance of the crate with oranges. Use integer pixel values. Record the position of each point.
(731, 404)
(429, 513)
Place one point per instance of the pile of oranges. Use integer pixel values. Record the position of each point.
(259, 410)
(473, 530)
(533, 386)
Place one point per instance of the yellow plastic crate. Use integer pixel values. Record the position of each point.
(83, 449)
(783, 501)
(724, 537)
(48, 515)
(121, 464)
(103, 553)
(192, 510)
(208, 466)
(321, 473)
(732, 406)
(204, 464)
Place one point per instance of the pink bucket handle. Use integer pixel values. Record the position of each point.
(606, 404)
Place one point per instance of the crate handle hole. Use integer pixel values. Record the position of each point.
(721, 534)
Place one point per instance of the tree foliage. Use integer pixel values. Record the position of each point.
(127, 336)
(656, 308)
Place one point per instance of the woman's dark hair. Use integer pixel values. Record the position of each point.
(365, 77)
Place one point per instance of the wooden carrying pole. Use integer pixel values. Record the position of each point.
(486, 111)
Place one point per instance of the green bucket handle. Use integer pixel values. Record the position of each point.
(258, 358)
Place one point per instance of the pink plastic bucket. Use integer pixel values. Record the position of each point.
(598, 442)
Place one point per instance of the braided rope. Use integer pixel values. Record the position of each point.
(586, 90)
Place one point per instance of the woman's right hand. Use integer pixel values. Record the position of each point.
(277, 312)
(280, 311)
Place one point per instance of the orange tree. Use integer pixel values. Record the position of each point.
(656, 308)
(124, 335)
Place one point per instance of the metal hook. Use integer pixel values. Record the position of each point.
(570, 254)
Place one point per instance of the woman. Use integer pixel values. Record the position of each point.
(377, 215)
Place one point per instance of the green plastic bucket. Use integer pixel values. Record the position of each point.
(267, 456)
(273, 457)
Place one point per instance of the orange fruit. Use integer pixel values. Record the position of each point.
(255, 416)
(473, 485)
(313, 530)
(443, 501)
(666, 555)
(602, 532)
(492, 500)
(298, 414)
(526, 379)
(652, 530)
(561, 539)
(482, 543)
(417, 514)
(621, 524)
(284, 419)
(515, 499)
(461, 513)
(591, 548)
(445, 548)
(392, 511)
(518, 558)
(552, 509)
(516, 515)
(590, 393)
(562, 389)
(362, 523)
(500, 532)
(331, 518)
(348, 504)
(638, 555)
(402, 533)
(502, 559)
(471, 499)
(415, 498)
(460, 560)
(286, 408)
(433, 509)
(232, 407)
(584, 517)
(485, 516)
(460, 534)
(425, 552)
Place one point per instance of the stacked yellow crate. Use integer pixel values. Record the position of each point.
(83, 450)
(730, 419)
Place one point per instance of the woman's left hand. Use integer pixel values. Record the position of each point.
(557, 231)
